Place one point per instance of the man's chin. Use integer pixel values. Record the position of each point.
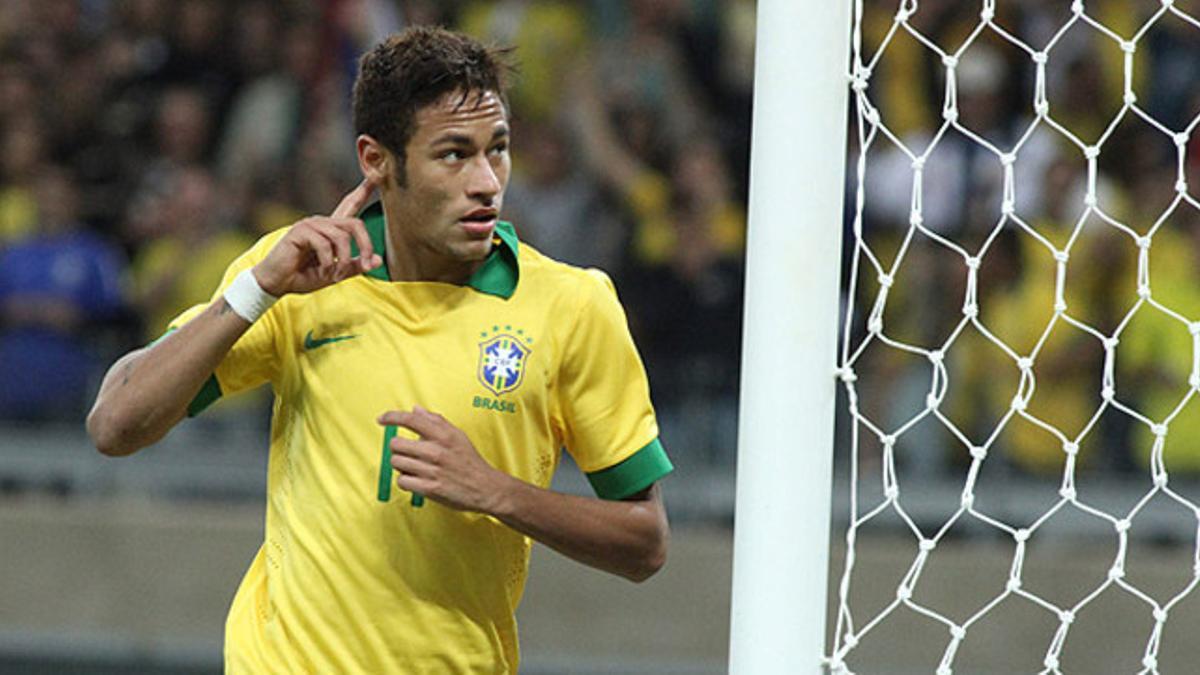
(474, 250)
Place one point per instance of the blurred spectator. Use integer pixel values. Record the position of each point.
(684, 272)
(18, 92)
(183, 128)
(641, 71)
(182, 134)
(557, 205)
(549, 37)
(1157, 354)
(21, 153)
(269, 112)
(55, 287)
(617, 156)
(182, 265)
(197, 54)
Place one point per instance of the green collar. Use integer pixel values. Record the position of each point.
(497, 276)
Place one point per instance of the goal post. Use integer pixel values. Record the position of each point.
(785, 435)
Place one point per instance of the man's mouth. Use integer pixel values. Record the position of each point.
(479, 222)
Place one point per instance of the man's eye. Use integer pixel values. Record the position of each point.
(499, 149)
(451, 155)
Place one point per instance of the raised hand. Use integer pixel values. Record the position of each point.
(442, 464)
(315, 252)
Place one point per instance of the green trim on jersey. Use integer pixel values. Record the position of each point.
(636, 473)
(498, 275)
(386, 473)
(208, 394)
(385, 464)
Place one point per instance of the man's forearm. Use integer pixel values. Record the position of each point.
(628, 537)
(147, 392)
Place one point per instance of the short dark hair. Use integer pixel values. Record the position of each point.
(414, 68)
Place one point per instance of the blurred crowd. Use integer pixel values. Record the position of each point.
(145, 143)
(1137, 172)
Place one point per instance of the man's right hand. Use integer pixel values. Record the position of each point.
(315, 252)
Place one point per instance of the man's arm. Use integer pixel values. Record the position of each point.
(147, 391)
(627, 537)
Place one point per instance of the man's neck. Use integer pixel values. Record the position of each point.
(409, 261)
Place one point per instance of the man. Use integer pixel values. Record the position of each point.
(420, 347)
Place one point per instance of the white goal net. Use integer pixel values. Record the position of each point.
(1021, 345)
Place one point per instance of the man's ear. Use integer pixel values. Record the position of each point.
(374, 160)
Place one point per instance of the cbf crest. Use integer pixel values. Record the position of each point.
(502, 360)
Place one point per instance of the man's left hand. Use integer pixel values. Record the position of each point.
(442, 463)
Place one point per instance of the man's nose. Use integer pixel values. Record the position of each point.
(483, 181)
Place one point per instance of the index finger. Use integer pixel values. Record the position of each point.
(354, 200)
(419, 420)
(366, 250)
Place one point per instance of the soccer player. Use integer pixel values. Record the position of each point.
(427, 367)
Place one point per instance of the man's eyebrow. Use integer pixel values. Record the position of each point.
(464, 139)
(453, 139)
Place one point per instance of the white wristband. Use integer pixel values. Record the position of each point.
(246, 298)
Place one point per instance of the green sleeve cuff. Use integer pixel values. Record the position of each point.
(208, 394)
(634, 474)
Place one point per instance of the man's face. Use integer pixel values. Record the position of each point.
(457, 167)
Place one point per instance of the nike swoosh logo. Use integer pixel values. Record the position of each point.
(312, 343)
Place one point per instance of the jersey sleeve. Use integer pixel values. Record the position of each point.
(609, 424)
(254, 358)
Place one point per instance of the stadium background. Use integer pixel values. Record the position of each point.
(144, 143)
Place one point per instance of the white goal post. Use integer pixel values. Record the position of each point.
(785, 435)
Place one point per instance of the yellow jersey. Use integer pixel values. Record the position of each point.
(530, 356)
